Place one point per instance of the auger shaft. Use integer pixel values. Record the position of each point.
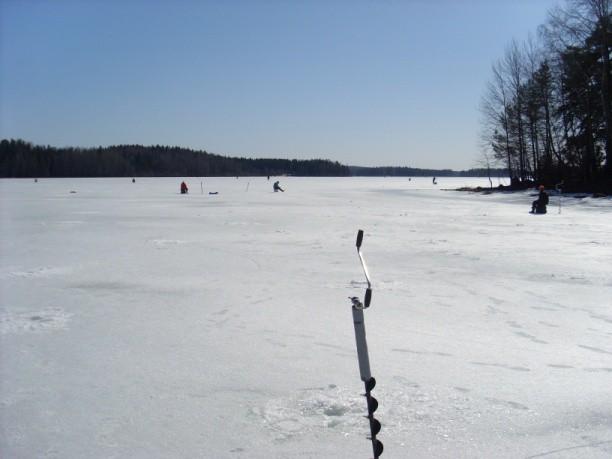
(362, 352)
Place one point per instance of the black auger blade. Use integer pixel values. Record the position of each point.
(375, 426)
(378, 448)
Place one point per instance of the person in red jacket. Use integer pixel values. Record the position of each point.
(184, 189)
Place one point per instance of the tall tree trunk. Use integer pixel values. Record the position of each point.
(521, 140)
(533, 135)
(605, 88)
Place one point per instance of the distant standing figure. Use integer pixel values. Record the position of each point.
(539, 205)
(434, 181)
(277, 187)
(184, 189)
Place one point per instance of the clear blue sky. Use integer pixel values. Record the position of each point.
(362, 82)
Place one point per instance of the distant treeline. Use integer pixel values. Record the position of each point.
(413, 172)
(19, 158)
(22, 159)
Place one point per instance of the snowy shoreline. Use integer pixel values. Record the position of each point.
(507, 189)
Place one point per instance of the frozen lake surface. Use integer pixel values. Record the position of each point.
(136, 322)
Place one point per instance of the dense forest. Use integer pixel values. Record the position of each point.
(19, 158)
(22, 159)
(547, 108)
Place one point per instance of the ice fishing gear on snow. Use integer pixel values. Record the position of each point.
(362, 352)
(559, 189)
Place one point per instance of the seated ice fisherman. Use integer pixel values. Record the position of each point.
(277, 187)
(184, 189)
(539, 205)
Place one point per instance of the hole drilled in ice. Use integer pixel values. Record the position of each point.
(38, 272)
(166, 243)
(312, 409)
(46, 320)
(336, 410)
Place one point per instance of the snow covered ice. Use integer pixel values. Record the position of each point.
(136, 322)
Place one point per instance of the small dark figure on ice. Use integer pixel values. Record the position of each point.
(184, 189)
(277, 187)
(539, 205)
